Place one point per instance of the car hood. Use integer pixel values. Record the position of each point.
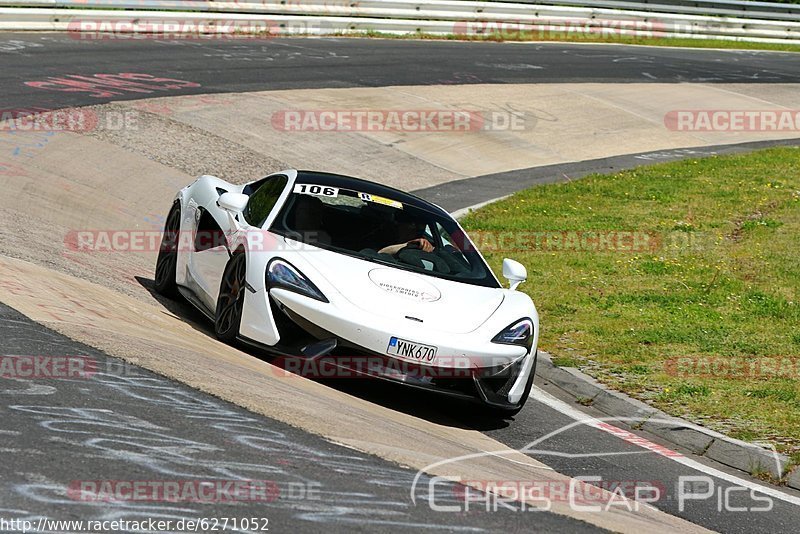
(444, 305)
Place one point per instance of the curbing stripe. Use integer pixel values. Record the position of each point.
(793, 481)
(746, 457)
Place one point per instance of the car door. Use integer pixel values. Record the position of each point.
(209, 251)
(214, 229)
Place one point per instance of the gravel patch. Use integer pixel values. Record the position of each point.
(187, 148)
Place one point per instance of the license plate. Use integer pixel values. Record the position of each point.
(410, 350)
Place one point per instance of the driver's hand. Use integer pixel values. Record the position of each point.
(422, 243)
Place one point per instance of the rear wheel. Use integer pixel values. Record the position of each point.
(228, 316)
(167, 262)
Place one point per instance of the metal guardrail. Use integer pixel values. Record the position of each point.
(603, 17)
(735, 8)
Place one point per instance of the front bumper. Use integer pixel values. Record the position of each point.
(468, 350)
(499, 384)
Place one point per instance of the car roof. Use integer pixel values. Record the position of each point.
(366, 186)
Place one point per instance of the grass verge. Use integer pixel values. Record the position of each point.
(677, 283)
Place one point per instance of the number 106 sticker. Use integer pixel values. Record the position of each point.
(320, 190)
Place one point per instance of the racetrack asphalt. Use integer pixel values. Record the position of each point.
(122, 423)
(240, 66)
(463, 194)
(296, 63)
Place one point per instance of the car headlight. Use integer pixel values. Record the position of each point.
(281, 273)
(517, 333)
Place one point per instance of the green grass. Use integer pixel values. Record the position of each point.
(565, 362)
(717, 284)
(630, 40)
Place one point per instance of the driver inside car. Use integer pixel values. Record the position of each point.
(409, 232)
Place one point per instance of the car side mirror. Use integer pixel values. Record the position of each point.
(233, 202)
(514, 272)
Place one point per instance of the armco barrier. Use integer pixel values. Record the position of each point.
(738, 20)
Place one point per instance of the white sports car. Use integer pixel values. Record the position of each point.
(339, 272)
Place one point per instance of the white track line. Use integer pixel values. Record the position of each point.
(572, 412)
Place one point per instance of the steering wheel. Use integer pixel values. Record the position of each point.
(415, 257)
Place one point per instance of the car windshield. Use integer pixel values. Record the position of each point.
(386, 229)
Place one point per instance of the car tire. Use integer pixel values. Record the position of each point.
(167, 261)
(228, 315)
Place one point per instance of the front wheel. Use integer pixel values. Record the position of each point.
(167, 261)
(228, 315)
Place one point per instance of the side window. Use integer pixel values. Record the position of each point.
(454, 247)
(263, 200)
